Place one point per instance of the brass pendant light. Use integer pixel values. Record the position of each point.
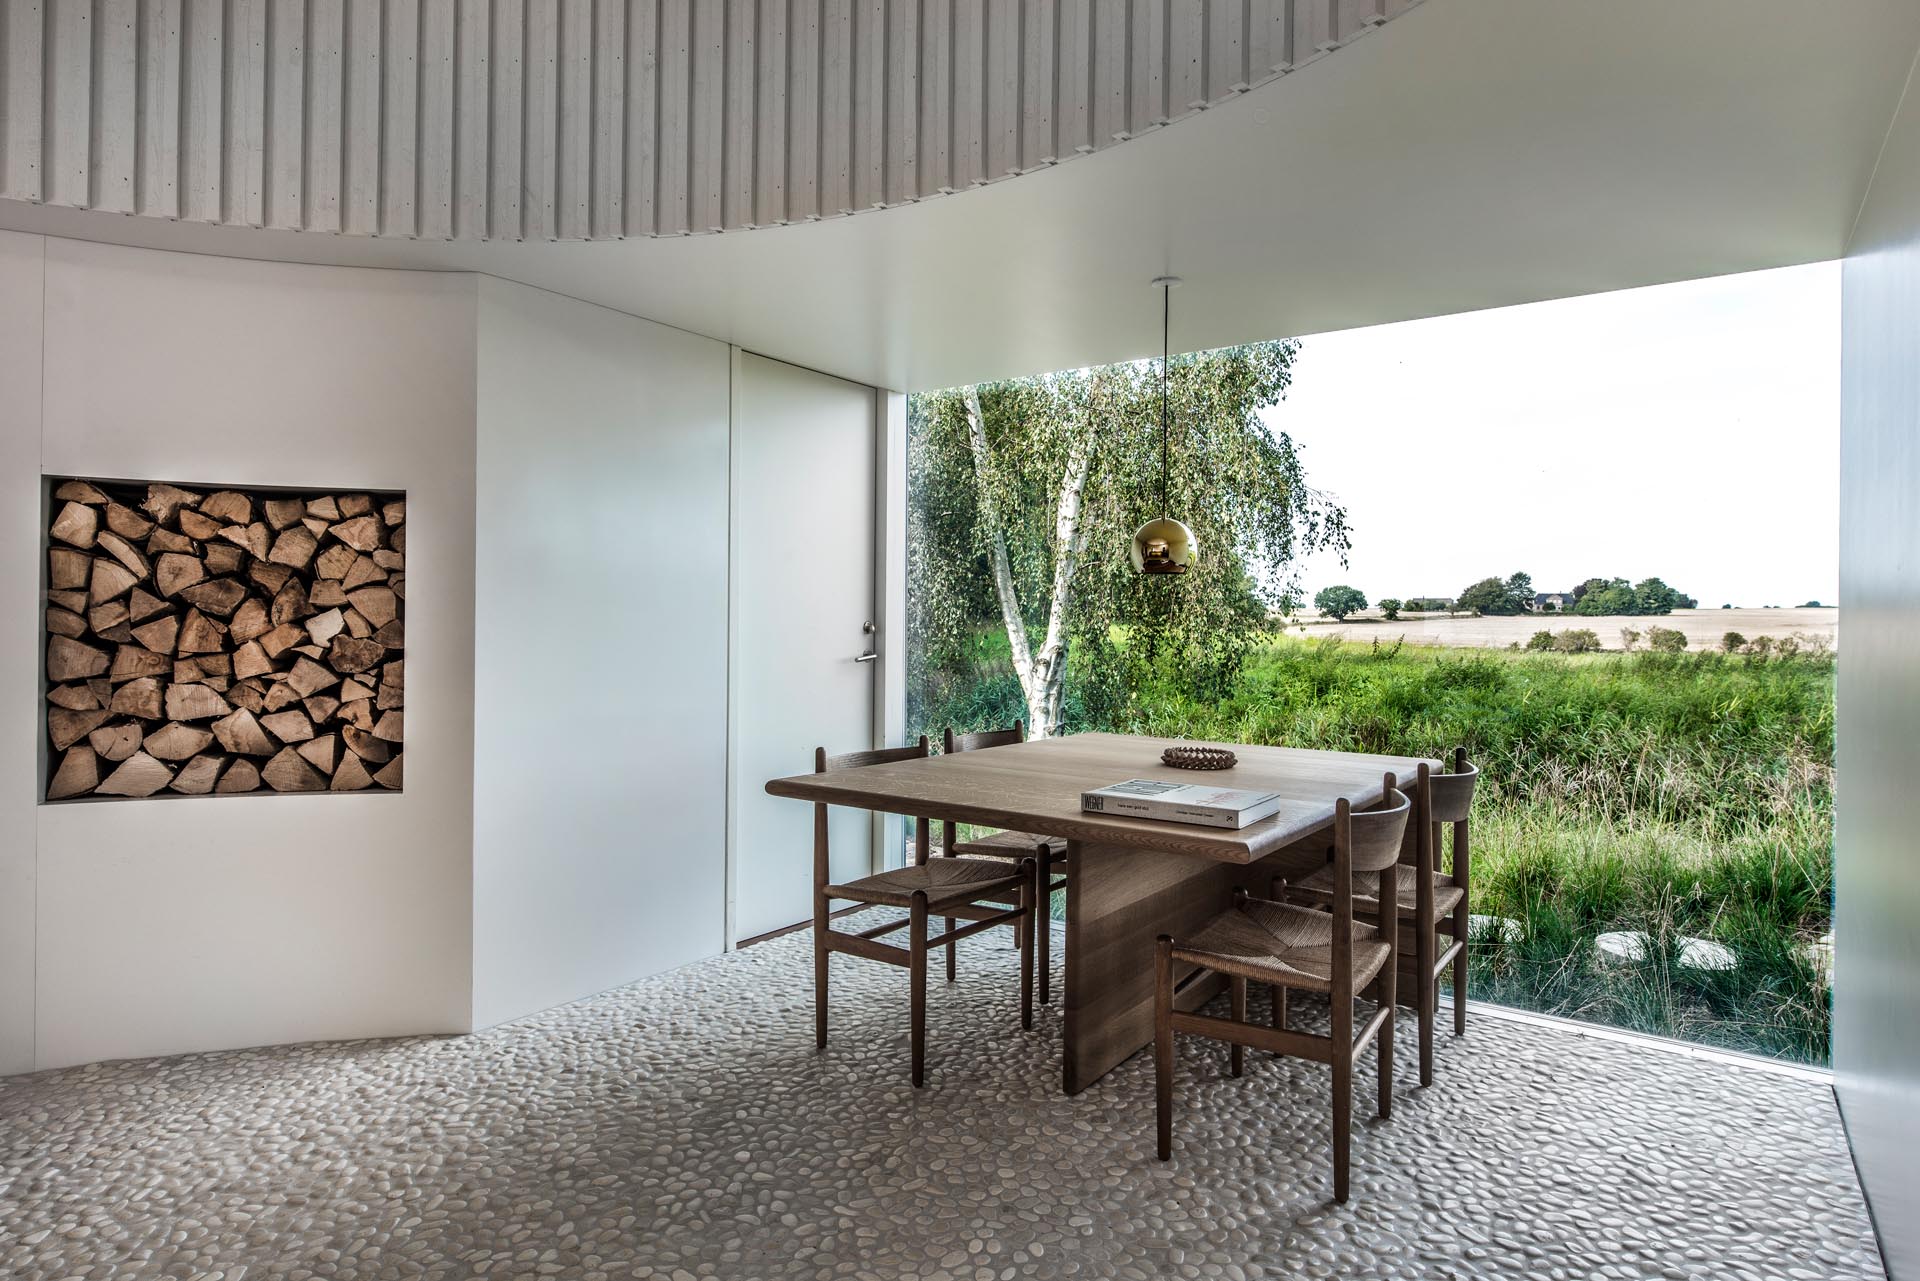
(1164, 545)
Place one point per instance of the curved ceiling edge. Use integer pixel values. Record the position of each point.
(601, 119)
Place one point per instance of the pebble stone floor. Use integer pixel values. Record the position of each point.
(683, 1127)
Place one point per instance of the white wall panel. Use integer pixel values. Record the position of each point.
(595, 119)
(292, 917)
(21, 277)
(1876, 986)
(600, 782)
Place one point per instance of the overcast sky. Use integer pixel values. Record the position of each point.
(1688, 431)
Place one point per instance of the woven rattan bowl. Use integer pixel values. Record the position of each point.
(1198, 758)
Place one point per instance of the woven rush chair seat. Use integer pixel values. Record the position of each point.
(1282, 944)
(1011, 845)
(1285, 945)
(943, 880)
(1446, 894)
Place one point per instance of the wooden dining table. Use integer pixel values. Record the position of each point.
(1128, 880)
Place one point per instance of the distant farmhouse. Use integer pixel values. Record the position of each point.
(1552, 602)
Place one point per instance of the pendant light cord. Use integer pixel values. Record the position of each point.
(1166, 345)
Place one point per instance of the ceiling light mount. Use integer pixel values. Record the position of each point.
(1164, 545)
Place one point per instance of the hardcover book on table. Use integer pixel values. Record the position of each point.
(1194, 803)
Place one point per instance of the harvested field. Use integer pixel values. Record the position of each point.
(1703, 627)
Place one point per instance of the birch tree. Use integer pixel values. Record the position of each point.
(1025, 495)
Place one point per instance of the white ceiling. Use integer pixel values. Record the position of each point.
(1473, 153)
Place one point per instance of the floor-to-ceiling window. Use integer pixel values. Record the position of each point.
(1591, 540)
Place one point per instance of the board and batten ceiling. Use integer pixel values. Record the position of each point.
(1466, 154)
(601, 119)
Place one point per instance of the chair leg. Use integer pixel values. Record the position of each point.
(917, 978)
(822, 965)
(1427, 999)
(1163, 1044)
(1280, 1009)
(1384, 1041)
(1342, 1118)
(1043, 928)
(1460, 930)
(952, 957)
(1237, 1056)
(1024, 924)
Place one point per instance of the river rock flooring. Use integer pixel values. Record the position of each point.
(684, 1127)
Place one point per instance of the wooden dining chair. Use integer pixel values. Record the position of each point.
(975, 890)
(1288, 946)
(1048, 852)
(1432, 903)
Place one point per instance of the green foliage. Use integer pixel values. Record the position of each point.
(1519, 590)
(1541, 641)
(1390, 609)
(1669, 793)
(1666, 640)
(1514, 595)
(1629, 637)
(1427, 604)
(1612, 596)
(1238, 485)
(1813, 604)
(1339, 601)
(1576, 640)
(1600, 596)
(1733, 642)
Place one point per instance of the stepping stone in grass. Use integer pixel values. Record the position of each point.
(1620, 947)
(1705, 954)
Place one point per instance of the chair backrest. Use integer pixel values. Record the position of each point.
(1453, 793)
(880, 756)
(1373, 836)
(985, 738)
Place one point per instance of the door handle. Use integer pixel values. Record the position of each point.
(867, 657)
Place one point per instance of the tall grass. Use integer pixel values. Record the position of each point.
(1677, 795)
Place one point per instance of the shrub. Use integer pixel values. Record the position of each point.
(1577, 640)
(1391, 608)
(1666, 640)
(1760, 646)
(1732, 642)
(1540, 640)
(1629, 638)
(1338, 601)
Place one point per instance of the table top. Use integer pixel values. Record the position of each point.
(1035, 787)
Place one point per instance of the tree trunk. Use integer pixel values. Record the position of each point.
(1048, 687)
(1042, 676)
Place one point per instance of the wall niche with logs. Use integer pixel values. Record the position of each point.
(208, 641)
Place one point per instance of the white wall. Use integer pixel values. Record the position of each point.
(1876, 1050)
(20, 538)
(168, 925)
(600, 650)
(567, 470)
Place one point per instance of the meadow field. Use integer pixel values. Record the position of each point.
(1671, 795)
(1704, 628)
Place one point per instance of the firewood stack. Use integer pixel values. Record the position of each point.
(221, 642)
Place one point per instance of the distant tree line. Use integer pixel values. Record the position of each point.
(1616, 596)
(1515, 595)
